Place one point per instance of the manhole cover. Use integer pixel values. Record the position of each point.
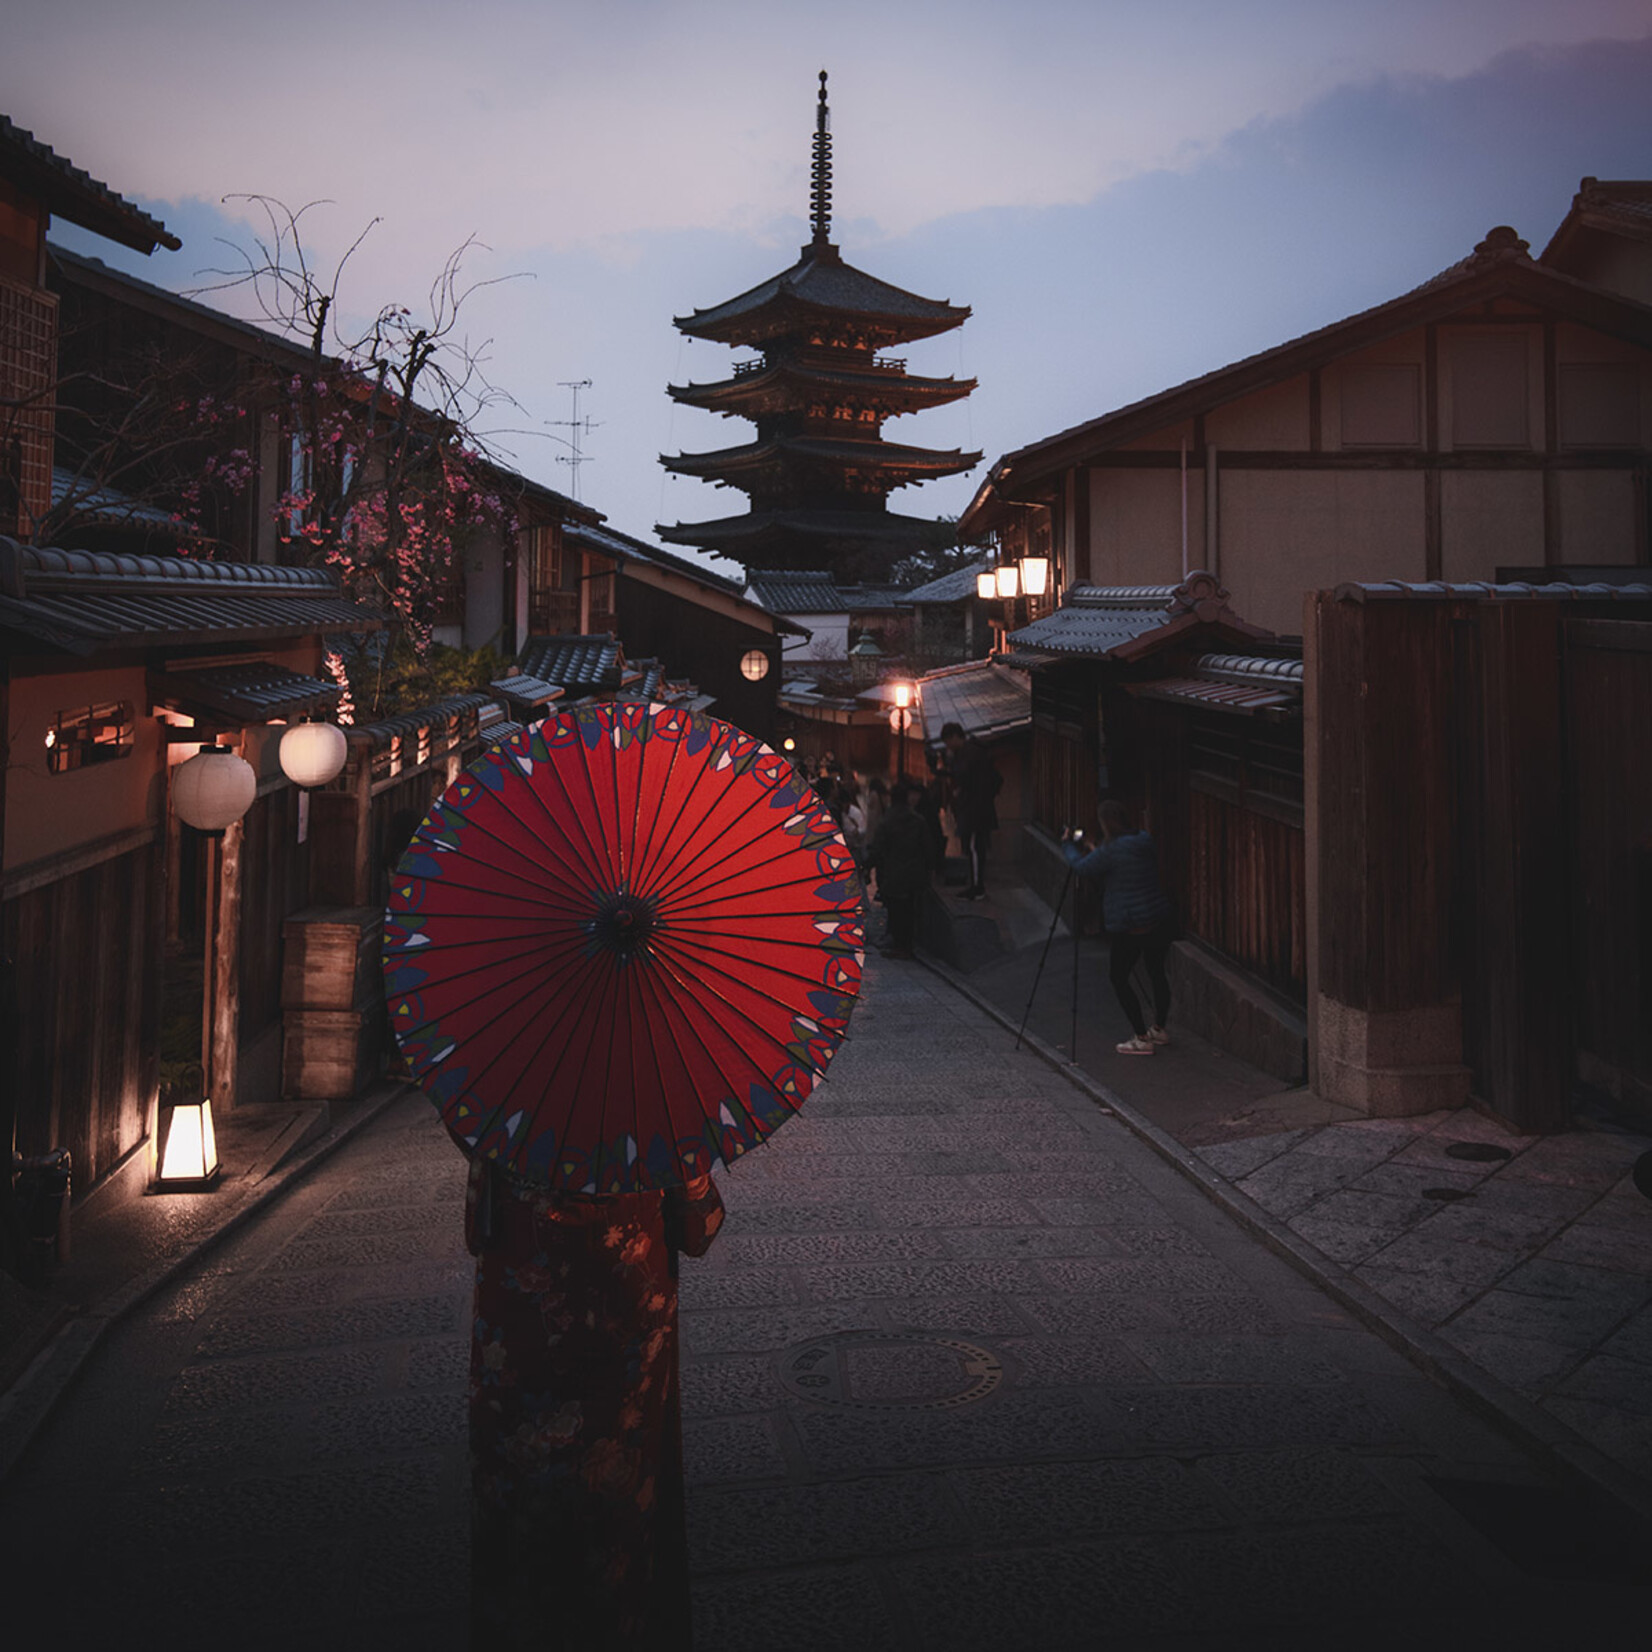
(1484, 1151)
(891, 1371)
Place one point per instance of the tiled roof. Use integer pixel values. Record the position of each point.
(72, 193)
(1094, 620)
(525, 691)
(83, 601)
(1240, 683)
(591, 662)
(110, 505)
(1124, 620)
(249, 693)
(623, 548)
(871, 598)
(787, 591)
(1482, 591)
(958, 586)
(986, 699)
(821, 281)
(466, 707)
(1617, 206)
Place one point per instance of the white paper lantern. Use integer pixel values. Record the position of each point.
(1008, 579)
(313, 753)
(986, 585)
(1035, 575)
(213, 789)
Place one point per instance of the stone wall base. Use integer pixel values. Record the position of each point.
(1236, 1013)
(1391, 1063)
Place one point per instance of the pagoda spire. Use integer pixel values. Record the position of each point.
(820, 172)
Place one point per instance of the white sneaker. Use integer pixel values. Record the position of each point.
(1134, 1046)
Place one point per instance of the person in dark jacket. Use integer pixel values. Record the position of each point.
(975, 786)
(899, 855)
(1138, 916)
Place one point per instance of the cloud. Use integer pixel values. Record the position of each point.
(1340, 179)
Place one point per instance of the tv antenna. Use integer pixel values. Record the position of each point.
(576, 427)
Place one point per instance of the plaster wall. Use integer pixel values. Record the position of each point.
(1343, 381)
(1597, 517)
(830, 639)
(1489, 519)
(1462, 360)
(1136, 525)
(485, 594)
(1272, 419)
(51, 814)
(1287, 532)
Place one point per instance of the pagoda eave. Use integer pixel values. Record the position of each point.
(786, 315)
(758, 531)
(751, 395)
(881, 463)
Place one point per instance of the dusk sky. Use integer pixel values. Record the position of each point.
(1127, 195)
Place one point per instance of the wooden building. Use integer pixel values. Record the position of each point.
(819, 471)
(36, 184)
(1479, 848)
(130, 942)
(1165, 698)
(1498, 416)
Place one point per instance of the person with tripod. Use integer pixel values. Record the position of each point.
(1137, 914)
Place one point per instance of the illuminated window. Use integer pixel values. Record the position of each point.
(754, 665)
(89, 734)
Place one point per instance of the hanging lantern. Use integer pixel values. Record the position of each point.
(986, 585)
(213, 789)
(1035, 575)
(1009, 582)
(313, 753)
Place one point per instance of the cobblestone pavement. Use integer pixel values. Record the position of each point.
(1530, 1255)
(968, 1364)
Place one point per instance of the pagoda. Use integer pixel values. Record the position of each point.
(819, 473)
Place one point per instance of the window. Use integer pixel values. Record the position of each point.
(754, 665)
(88, 735)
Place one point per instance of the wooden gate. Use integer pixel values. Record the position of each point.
(1608, 731)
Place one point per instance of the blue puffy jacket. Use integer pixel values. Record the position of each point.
(1132, 897)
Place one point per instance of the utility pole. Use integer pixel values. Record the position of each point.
(576, 427)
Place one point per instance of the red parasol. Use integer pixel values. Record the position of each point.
(621, 945)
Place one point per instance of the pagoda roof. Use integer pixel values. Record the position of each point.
(819, 288)
(773, 386)
(757, 531)
(781, 450)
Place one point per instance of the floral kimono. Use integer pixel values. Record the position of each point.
(575, 1425)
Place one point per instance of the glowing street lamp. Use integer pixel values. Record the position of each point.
(1008, 579)
(986, 585)
(901, 719)
(1035, 575)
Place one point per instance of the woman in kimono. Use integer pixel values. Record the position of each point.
(578, 1537)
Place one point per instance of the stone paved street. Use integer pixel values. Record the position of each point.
(968, 1365)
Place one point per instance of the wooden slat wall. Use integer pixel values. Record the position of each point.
(1387, 795)
(89, 971)
(1244, 890)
